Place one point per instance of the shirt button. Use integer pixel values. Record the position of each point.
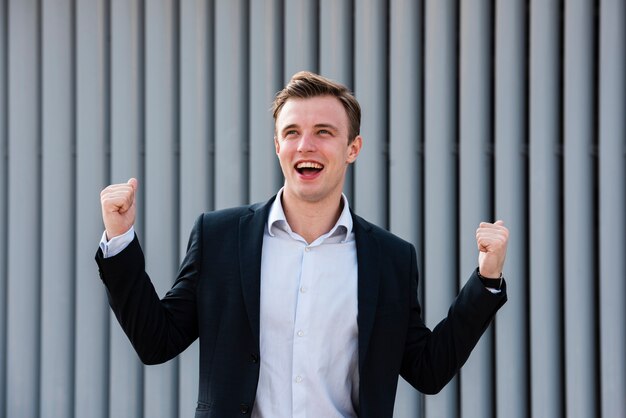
(307, 249)
(300, 333)
(298, 379)
(303, 289)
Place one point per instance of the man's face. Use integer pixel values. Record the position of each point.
(312, 147)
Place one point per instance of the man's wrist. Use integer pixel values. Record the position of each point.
(116, 244)
(490, 282)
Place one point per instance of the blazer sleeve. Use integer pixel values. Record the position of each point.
(159, 329)
(432, 358)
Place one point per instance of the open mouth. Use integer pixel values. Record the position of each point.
(309, 168)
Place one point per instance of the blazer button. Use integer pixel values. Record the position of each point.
(244, 408)
(255, 358)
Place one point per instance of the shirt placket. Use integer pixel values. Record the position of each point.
(301, 361)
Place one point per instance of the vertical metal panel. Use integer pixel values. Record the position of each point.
(545, 230)
(579, 232)
(231, 116)
(126, 372)
(440, 176)
(612, 194)
(127, 79)
(301, 34)
(266, 77)
(196, 154)
(405, 145)
(161, 185)
(370, 87)
(475, 178)
(92, 310)
(3, 201)
(336, 57)
(24, 255)
(336, 40)
(57, 211)
(196, 122)
(511, 325)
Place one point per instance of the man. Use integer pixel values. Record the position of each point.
(302, 308)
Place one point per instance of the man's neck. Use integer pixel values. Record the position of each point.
(311, 220)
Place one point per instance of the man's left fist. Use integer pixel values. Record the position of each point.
(492, 240)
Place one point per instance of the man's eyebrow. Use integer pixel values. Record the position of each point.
(316, 126)
(326, 125)
(290, 126)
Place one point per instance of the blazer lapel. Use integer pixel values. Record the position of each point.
(368, 256)
(251, 228)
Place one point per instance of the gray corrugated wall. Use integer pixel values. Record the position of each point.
(473, 109)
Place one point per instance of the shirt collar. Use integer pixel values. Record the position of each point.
(277, 219)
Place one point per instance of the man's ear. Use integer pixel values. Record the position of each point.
(276, 144)
(354, 148)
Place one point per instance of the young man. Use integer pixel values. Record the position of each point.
(302, 307)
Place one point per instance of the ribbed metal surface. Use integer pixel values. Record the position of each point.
(475, 180)
(125, 389)
(24, 232)
(472, 110)
(3, 201)
(406, 141)
(441, 179)
(612, 201)
(196, 175)
(57, 221)
(94, 366)
(580, 232)
(546, 208)
(511, 197)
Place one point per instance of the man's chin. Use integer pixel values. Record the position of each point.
(309, 196)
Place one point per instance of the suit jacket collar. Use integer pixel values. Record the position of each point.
(368, 261)
(251, 229)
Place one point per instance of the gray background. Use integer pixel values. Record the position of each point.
(472, 110)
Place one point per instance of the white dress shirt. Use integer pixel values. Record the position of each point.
(308, 321)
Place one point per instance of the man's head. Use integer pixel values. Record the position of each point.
(305, 85)
(316, 137)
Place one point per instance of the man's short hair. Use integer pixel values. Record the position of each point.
(304, 85)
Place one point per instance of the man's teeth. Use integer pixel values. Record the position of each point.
(309, 165)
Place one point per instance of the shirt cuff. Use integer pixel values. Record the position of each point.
(117, 244)
(492, 290)
(492, 285)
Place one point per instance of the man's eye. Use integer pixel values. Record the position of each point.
(323, 132)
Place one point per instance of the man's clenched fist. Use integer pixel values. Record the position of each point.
(118, 207)
(492, 240)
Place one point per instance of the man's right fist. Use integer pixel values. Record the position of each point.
(118, 207)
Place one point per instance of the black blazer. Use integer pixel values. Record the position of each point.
(216, 298)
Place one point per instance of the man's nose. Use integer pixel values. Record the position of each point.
(306, 143)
